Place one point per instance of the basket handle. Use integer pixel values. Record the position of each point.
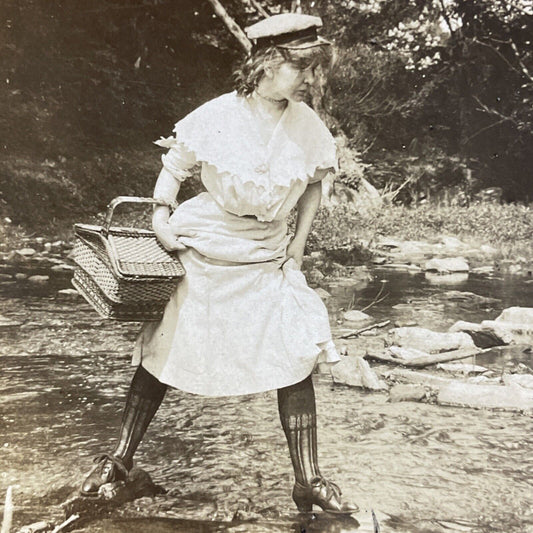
(129, 200)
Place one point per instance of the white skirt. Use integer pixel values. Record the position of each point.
(243, 319)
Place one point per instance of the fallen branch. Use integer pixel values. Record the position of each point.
(356, 332)
(430, 359)
(68, 521)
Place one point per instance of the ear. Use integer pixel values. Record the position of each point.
(269, 71)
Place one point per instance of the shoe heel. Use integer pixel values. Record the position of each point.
(304, 506)
(302, 500)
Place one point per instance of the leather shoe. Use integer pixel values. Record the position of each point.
(323, 493)
(108, 469)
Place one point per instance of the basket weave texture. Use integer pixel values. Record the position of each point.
(124, 273)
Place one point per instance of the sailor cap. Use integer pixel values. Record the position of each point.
(288, 30)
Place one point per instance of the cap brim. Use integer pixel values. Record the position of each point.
(319, 41)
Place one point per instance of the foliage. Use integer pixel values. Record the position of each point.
(430, 94)
(508, 227)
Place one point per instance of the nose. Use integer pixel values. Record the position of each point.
(309, 76)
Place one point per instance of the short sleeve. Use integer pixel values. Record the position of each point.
(318, 144)
(178, 160)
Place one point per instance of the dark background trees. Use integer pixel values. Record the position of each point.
(433, 95)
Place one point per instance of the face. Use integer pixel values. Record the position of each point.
(292, 80)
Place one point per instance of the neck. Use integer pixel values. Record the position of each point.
(269, 101)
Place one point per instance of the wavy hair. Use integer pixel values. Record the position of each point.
(251, 71)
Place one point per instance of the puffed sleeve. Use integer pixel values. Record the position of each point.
(179, 160)
(321, 149)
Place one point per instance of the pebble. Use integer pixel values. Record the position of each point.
(68, 294)
(26, 252)
(63, 267)
(39, 280)
(356, 316)
(407, 393)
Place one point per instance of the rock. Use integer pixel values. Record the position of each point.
(407, 393)
(6, 277)
(64, 267)
(406, 353)
(324, 295)
(509, 398)
(452, 243)
(488, 269)
(356, 372)
(430, 341)
(47, 247)
(356, 316)
(514, 332)
(39, 280)
(463, 368)
(68, 294)
(346, 372)
(517, 315)
(20, 276)
(523, 380)
(36, 527)
(483, 337)
(26, 252)
(455, 278)
(447, 265)
(111, 495)
(314, 276)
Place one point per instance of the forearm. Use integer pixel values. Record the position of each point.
(307, 208)
(166, 188)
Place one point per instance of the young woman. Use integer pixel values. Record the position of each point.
(243, 319)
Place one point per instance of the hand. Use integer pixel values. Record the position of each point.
(167, 237)
(295, 251)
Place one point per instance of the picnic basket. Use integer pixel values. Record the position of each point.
(124, 273)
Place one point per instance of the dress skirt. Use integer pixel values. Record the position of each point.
(243, 319)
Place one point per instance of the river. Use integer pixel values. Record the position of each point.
(422, 468)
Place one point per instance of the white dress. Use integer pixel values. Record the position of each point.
(243, 319)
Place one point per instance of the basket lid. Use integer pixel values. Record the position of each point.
(138, 253)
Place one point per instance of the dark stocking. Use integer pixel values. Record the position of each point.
(144, 398)
(297, 411)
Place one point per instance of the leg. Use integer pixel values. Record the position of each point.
(297, 410)
(144, 398)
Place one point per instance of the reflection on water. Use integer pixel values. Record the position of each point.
(423, 468)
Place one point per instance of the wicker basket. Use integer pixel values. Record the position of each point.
(124, 273)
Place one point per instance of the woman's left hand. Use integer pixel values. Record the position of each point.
(295, 251)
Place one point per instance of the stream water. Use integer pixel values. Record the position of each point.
(422, 468)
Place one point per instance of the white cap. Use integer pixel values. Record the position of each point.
(288, 30)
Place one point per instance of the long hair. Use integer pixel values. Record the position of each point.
(252, 69)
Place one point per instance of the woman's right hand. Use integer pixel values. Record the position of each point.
(167, 237)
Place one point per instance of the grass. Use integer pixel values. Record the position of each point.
(506, 227)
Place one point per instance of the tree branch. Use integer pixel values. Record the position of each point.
(232, 26)
(259, 8)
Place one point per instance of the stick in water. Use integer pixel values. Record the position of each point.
(69, 520)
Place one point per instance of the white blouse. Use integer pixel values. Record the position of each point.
(243, 173)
